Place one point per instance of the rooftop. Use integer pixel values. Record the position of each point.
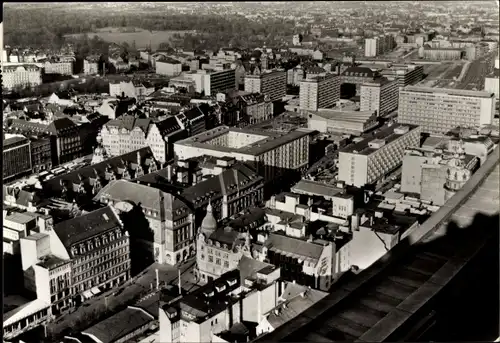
(344, 115)
(449, 91)
(263, 141)
(386, 134)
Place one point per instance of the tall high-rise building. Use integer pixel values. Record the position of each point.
(405, 74)
(16, 156)
(380, 95)
(271, 83)
(319, 92)
(214, 81)
(439, 110)
(379, 45)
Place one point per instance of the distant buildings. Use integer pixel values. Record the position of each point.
(212, 82)
(62, 68)
(438, 110)
(254, 108)
(271, 83)
(358, 76)
(406, 75)
(319, 92)
(442, 54)
(16, 153)
(131, 89)
(168, 66)
(379, 45)
(369, 160)
(21, 76)
(90, 67)
(380, 95)
(127, 133)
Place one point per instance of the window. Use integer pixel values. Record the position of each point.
(217, 261)
(210, 258)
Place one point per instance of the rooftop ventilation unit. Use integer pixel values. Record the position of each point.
(401, 130)
(376, 143)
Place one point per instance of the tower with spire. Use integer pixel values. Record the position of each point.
(209, 223)
(100, 153)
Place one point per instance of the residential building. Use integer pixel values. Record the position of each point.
(379, 45)
(131, 89)
(341, 121)
(369, 160)
(435, 175)
(212, 82)
(358, 76)
(218, 311)
(319, 92)
(41, 154)
(270, 82)
(439, 110)
(90, 67)
(195, 119)
(62, 68)
(492, 83)
(442, 54)
(16, 156)
(168, 66)
(127, 133)
(254, 108)
(171, 221)
(272, 153)
(21, 76)
(380, 95)
(405, 74)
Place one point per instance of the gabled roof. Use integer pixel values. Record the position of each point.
(296, 246)
(91, 224)
(59, 125)
(168, 126)
(359, 72)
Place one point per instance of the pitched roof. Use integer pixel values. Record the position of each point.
(81, 228)
(296, 246)
(119, 325)
(168, 126)
(148, 197)
(359, 71)
(58, 126)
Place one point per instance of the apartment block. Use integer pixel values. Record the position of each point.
(62, 68)
(369, 160)
(212, 81)
(442, 54)
(21, 76)
(319, 92)
(405, 74)
(269, 82)
(380, 95)
(379, 45)
(439, 110)
(16, 153)
(168, 66)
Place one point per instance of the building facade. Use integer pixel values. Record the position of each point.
(212, 81)
(443, 54)
(319, 92)
(368, 161)
(380, 95)
(406, 75)
(90, 67)
(439, 110)
(492, 83)
(168, 67)
(379, 45)
(16, 157)
(41, 154)
(254, 108)
(62, 68)
(21, 76)
(270, 82)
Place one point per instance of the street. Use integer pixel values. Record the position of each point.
(138, 286)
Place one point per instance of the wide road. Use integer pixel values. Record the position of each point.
(478, 70)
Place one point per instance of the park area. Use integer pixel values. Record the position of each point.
(141, 38)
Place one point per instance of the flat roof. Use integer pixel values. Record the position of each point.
(385, 133)
(19, 218)
(269, 141)
(449, 91)
(338, 114)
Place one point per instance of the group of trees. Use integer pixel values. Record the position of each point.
(44, 27)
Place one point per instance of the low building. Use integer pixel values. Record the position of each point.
(131, 89)
(16, 156)
(168, 66)
(492, 83)
(369, 160)
(254, 108)
(340, 121)
(442, 54)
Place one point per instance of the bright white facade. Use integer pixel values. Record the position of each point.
(439, 110)
(21, 76)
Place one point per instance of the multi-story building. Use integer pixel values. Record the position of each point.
(62, 68)
(341, 121)
(358, 76)
(90, 67)
(212, 82)
(439, 110)
(21, 76)
(254, 108)
(380, 95)
(16, 156)
(435, 175)
(269, 82)
(441, 54)
(131, 89)
(182, 82)
(492, 83)
(369, 160)
(216, 312)
(98, 247)
(168, 66)
(319, 92)
(41, 154)
(170, 237)
(128, 133)
(405, 74)
(272, 153)
(379, 45)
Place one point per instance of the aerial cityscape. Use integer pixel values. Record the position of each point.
(310, 171)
